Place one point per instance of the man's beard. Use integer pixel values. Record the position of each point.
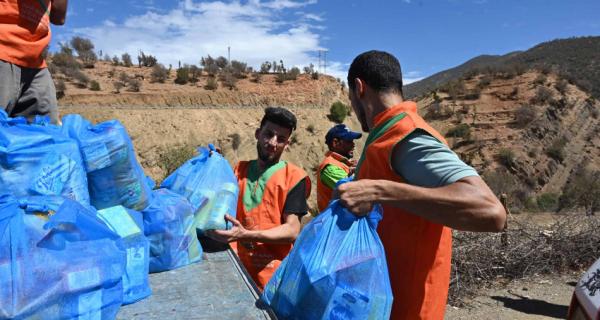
(362, 118)
(265, 157)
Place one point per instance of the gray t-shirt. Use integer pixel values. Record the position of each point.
(426, 162)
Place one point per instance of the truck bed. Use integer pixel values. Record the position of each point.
(218, 287)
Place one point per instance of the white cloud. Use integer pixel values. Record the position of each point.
(254, 30)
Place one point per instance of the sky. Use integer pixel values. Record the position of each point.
(427, 36)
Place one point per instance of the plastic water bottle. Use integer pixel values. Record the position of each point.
(225, 203)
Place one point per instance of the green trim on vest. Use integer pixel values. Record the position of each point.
(377, 132)
(256, 183)
(46, 9)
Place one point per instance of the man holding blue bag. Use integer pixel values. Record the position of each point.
(424, 188)
(271, 201)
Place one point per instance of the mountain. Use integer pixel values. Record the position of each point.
(575, 59)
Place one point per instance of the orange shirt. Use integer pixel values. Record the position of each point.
(260, 207)
(418, 251)
(24, 31)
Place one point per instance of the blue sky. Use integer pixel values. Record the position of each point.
(427, 36)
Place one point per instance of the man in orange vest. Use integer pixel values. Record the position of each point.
(26, 87)
(271, 202)
(338, 162)
(424, 188)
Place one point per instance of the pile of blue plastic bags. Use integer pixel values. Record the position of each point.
(81, 227)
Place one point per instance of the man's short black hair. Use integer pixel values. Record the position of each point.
(380, 70)
(279, 116)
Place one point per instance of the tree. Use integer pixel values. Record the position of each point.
(309, 69)
(265, 67)
(159, 73)
(221, 62)
(126, 58)
(293, 74)
(229, 80)
(195, 73)
(183, 75)
(239, 69)
(338, 112)
(146, 60)
(115, 61)
(85, 51)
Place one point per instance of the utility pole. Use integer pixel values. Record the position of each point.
(322, 61)
(228, 55)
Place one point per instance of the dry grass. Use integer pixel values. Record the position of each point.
(481, 260)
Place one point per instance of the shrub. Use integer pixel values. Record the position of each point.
(265, 67)
(561, 86)
(556, 150)
(315, 75)
(338, 112)
(500, 181)
(126, 58)
(94, 85)
(310, 69)
(221, 62)
(183, 75)
(236, 140)
(460, 131)
(118, 85)
(506, 157)
(229, 80)
(524, 115)
(146, 60)
(81, 80)
(293, 73)
(81, 44)
(256, 77)
(280, 78)
(115, 61)
(195, 73)
(60, 89)
(159, 73)
(583, 190)
(211, 84)
(310, 128)
(238, 69)
(484, 81)
(173, 157)
(542, 95)
(548, 202)
(134, 85)
(88, 58)
(540, 80)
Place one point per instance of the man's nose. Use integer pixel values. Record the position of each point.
(273, 141)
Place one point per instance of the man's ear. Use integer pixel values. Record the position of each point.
(359, 87)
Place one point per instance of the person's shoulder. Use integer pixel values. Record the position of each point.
(292, 168)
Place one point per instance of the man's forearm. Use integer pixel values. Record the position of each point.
(58, 12)
(284, 233)
(467, 204)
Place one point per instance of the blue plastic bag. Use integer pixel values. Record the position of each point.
(40, 160)
(129, 225)
(57, 261)
(208, 182)
(336, 270)
(114, 175)
(169, 226)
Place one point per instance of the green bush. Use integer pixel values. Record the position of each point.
(338, 112)
(506, 157)
(159, 73)
(556, 150)
(293, 73)
(548, 202)
(173, 157)
(542, 95)
(183, 75)
(94, 85)
(211, 84)
(460, 131)
(524, 115)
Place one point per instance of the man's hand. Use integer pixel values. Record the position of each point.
(238, 232)
(358, 196)
(58, 12)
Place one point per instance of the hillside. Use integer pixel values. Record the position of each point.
(304, 91)
(527, 134)
(575, 59)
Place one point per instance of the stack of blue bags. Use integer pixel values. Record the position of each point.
(61, 258)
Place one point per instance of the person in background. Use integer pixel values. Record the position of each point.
(424, 188)
(338, 162)
(271, 202)
(26, 86)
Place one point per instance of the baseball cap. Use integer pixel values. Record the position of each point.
(341, 131)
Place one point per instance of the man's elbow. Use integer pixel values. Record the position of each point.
(496, 218)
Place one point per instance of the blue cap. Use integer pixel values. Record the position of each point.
(341, 131)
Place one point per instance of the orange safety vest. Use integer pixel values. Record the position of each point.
(324, 193)
(24, 31)
(418, 251)
(262, 259)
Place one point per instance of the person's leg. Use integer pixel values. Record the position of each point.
(38, 95)
(10, 78)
